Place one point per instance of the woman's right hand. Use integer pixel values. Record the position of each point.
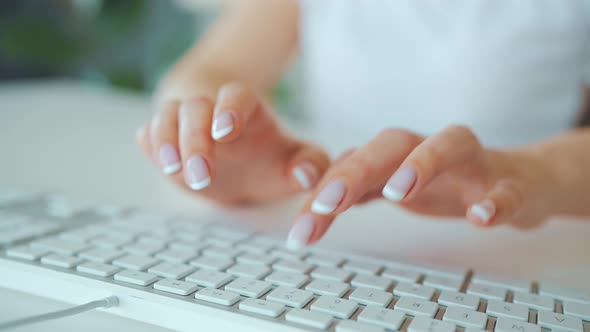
(231, 150)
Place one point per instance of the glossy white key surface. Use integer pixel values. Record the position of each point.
(63, 261)
(249, 271)
(135, 262)
(425, 324)
(175, 286)
(362, 267)
(324, 260)
(101, 255)
(249, 287)
(217, 296)
(504, 324)
(578, 310)
(370, 296)
(487, 292)
(456, 299)
(371, 281)
(171, 270)
(331, 273)
(308, 318)
(415, 290)
(552, 320)
(288, 279)
(534, 301)
(143, 248)
(212, 263)
(416, 307)
(292, 266)
(136, 277)
(262, 307)
(98, 269)
(508, 310)
(566, 294)
(502, 282)
(28, 253)
(334, 306)
(291, 297)
(386, 318)
(256, 259)
(352, 326)
(61, 246)
(401, 275)
(221, 252)
(176, 255)
(209, 278)
(328, 287)
(443, 283)
(466, 317)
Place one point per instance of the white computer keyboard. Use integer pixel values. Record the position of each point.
(181, 274)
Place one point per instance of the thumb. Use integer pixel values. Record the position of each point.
(499, 206)
(306, 164)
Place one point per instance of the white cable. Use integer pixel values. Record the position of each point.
(111, 301)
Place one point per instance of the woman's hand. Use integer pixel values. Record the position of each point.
(231, 150)
(448, 174)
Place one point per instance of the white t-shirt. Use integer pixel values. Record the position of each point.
(512, 70)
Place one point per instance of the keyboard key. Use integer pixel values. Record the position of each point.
(566, 294)
(423, 324)
(335, 306)
(101, 255)
(98, 269)
(443, 283)
(262, 307)
(371, 281)
(63, 261)
(502, 282)
(217, 252)
(508, 310)
(256, 259)
(212, 263)
(331, 273)
(386, 318)
(534, 301)
(143, 248)
(448, 272)
(327, 287)
(415, 290)
(324, 260)
(175, 286)
(111, 241)
(577, 310)
(456, 299)
(136, 262)
(249, 287)
(352, 326)
(60, 246)
(312, 319)
(191, 247)
(136, 278)
(288, 279)
(82, 235)
(487, 292)
(27, 253)
(176, 256)
(555, 321)
(210, 278)
(369, 296)
(171, 270)
(512, 325)
(249, 271)
(229, 232)
(466, 317)
(217, 296)
(219, 242)
(362, 267)
(291, 297)
(288, 255)
(292, 266)
(416, 307)
(254, 248)
(401, 275)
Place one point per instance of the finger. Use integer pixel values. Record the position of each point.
(499, 206)
(142, 136)
(350, 179)
(451, 147)
(195, 142)
(307, 165)
(234, 107)
(164, 137)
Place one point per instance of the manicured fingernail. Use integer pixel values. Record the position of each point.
(483, 211)
(400, 183)
(223, 124)
(329, 198)
(300, 232)
(306, 174)
(197, 173)
(169, 159)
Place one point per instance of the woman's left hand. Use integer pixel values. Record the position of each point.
(448, 174)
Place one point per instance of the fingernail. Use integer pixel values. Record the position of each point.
(223, 124)
(169, 159)
(197, 173)
(329, 198)
(306, 174)
(400, 183)
(483, 211)
(300, 232)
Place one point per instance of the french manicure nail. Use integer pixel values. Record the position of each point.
(300, 232)
(400, 183)
(483, 211)
(169, 159)
(329, 198)
(223, 124)
(197, 173)
(306, 174)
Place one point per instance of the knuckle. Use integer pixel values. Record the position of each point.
(232, 87)
(361, 166)
(399, 134)
(464, 134)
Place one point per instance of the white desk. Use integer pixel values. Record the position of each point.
(79, 141)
